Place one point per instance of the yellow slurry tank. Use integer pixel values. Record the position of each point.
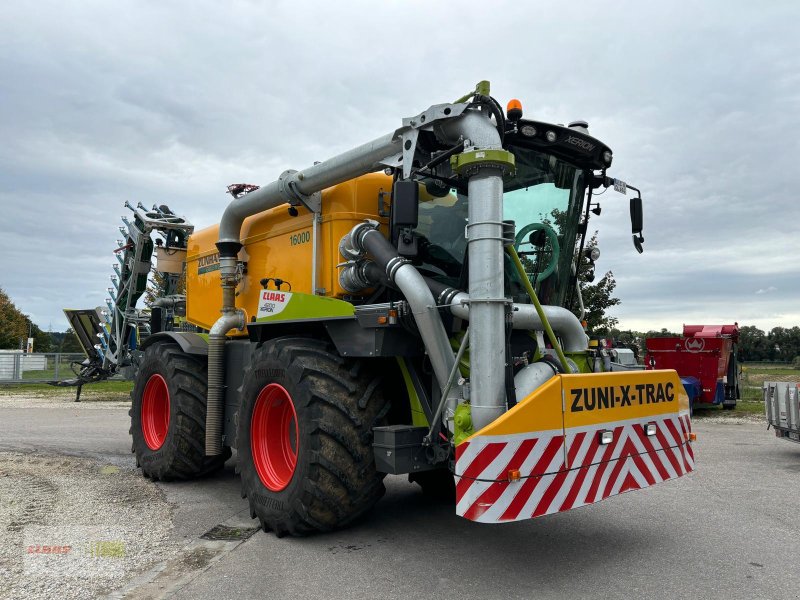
(277, 245)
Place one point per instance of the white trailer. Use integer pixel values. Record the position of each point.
(782, 407)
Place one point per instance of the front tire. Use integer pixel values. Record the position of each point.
(168, 415)
(305, 437)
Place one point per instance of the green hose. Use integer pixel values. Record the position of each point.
(539, 310)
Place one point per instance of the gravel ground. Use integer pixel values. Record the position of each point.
(74, 527)
(737, 420)
(67, 478)
(65, 397)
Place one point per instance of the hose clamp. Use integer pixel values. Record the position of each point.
(393, 265)
(469, 163)
(287, 187)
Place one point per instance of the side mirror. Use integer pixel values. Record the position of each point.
(405, 216)
(637, 223)
(405, 204)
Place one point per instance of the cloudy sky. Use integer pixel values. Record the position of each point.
(169, 102)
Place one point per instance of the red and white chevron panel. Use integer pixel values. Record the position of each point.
(560, 472)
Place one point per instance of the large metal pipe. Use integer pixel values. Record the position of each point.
(342, 167)
(486, 274)
(486, 297)
(524, 316)
(364, 237)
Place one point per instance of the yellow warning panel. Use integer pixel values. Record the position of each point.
(596, 398)
(539, 411)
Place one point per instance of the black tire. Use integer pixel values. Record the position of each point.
(182, 453)
(437, 484)
(336, 403)
(728, 406)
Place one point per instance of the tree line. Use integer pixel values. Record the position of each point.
(15, 327)
(779, 344)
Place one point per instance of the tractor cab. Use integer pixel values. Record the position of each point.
(546, 197)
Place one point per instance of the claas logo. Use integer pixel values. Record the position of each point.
(273, 296)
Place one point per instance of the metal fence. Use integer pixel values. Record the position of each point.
(19, 367)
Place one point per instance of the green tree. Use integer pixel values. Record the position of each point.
(664, 332)
(785, 343)
(597, 299)
(597, 296)
(70, 343)
(753, 344)
(15, 326)
(42, 342)
(12, 324)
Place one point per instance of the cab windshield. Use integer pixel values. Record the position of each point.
(544, 198)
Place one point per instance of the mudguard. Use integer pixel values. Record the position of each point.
(191, 343)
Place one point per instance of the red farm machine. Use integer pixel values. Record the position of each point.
(705, 359)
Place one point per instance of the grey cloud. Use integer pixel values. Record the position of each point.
(154, 102)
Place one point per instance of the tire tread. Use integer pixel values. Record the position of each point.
(346, 402)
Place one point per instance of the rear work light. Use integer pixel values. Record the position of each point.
(606, 437)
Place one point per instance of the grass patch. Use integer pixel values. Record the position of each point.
(105, 390)
(755, 375)
(744, 408)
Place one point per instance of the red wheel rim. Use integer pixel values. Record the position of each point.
(274, 437)
(155, 412)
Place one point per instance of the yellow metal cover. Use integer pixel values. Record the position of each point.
(576, 440)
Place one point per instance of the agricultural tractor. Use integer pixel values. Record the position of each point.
(397, 309)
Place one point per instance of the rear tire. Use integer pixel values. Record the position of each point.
(305, 437)
(168, 415)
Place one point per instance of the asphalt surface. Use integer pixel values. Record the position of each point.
(729, 530)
